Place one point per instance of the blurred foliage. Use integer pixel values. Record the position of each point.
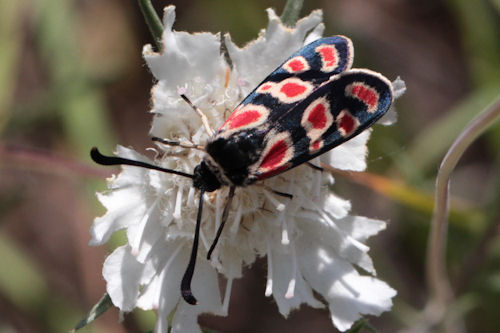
(71, 78)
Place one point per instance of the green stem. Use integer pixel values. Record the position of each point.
(441, 294)
(97, 310)
(291, 12)
(152, 20)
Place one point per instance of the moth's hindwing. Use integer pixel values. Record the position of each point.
(335, 112)
(292, 82)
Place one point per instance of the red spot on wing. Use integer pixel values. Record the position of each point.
(329, 56)
(366, 95)
(292, 89)
(347, 123)
(245, 116)
(317, 116)
(296, 65)
(243, 119)
(315, 146)
(275, 156)
(265, 87)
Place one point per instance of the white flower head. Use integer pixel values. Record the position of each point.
(312, 242)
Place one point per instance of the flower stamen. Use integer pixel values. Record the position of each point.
(277, 204)
(178, 203)
(269, 282)
(236, 223)
(291, 285)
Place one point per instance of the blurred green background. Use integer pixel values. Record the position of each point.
(72, 77)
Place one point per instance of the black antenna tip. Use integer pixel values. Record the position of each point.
(186, 292)
(95, 155)
(188, 297)
(101, 159)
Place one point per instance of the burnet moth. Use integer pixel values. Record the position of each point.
(310, 104)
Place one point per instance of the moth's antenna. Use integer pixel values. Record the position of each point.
(178, 143)
(114, 160)
(203, 117)
(186, 292)
(225, 213)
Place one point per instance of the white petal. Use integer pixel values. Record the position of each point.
(167, 261)
(169, 292)
(144, 234)
(125, 202)
(259, 58)
(184, 56)
(389, 118)
(122, 274)
(317, 33)
(349, 295)
(121, 213)
(149, 300)
(335, 206)
(337, 240)
(351, 155)
(282, 273)
(399, 88)
(360, 227)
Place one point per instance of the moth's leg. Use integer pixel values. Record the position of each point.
(315, 167)
(225, 214)
(188, 145)
(281, 194)
(203, 117)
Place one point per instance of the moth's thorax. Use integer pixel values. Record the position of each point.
(232, 157)
(216, 170)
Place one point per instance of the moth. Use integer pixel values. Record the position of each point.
(310, 104)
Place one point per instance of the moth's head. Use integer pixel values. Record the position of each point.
(204, 179)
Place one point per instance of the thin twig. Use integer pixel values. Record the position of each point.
(153, 21)
(441, 294)
(291, 12)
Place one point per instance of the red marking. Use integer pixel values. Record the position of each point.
(316, 145)
(347, 123)
(265, 87)
(273, 172)
(275, 155)
(296, 65)
(328, 55)
(293, 89)
(366, 95)
(317, 116)
(234, 113)
(244, 118)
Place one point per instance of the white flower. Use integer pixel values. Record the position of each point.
(311, 242)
